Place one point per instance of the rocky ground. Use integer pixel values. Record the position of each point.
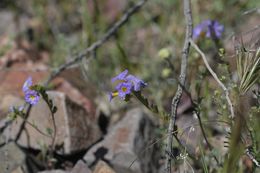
(93, 135)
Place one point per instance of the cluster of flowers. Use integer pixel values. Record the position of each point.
(31, 96)
(127, 84)
(208, 28)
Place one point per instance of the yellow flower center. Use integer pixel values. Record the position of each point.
(32, 97)
(124, 89)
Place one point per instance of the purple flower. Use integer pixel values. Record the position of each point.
(200, 29)
(32, 97)
(27, 84)
(128, 83)
(137, 83)
(121, 76)
(208, 27)
(123, 89)
(216, 28)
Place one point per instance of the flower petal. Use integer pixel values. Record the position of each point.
(123, 89)
(138, 83)
(32, 97)
(121, 76)
(27, 84)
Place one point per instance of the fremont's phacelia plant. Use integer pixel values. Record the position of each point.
(31, 96)
(126, 85)
(210, 28)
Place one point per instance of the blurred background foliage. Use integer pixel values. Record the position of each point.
(65, 27)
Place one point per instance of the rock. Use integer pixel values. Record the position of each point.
(76, 129)
(125, 142)
(189, 133)
(12, 80)
(18, 170)
(11, 158)
(80, 167)
(74, 94)
(54, 171)
(184, 105)
(7, 101)
(102, 167)
(9, 24)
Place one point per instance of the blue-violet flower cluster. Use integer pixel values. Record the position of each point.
(127, 84)
(210, 28)
(31, 96)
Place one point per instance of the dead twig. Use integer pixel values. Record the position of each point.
(182, 78)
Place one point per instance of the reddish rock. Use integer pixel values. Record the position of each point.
(12, 79)
(60, 84)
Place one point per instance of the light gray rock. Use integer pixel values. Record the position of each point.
(125, 142)
(54, 171)
(18, 170)
(76, 128)
(11, 158)
(80, 167)
(8, 23)
(103, 167)
(190, 134)
(9, 100)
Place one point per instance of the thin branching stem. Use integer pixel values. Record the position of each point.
(215, 77)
